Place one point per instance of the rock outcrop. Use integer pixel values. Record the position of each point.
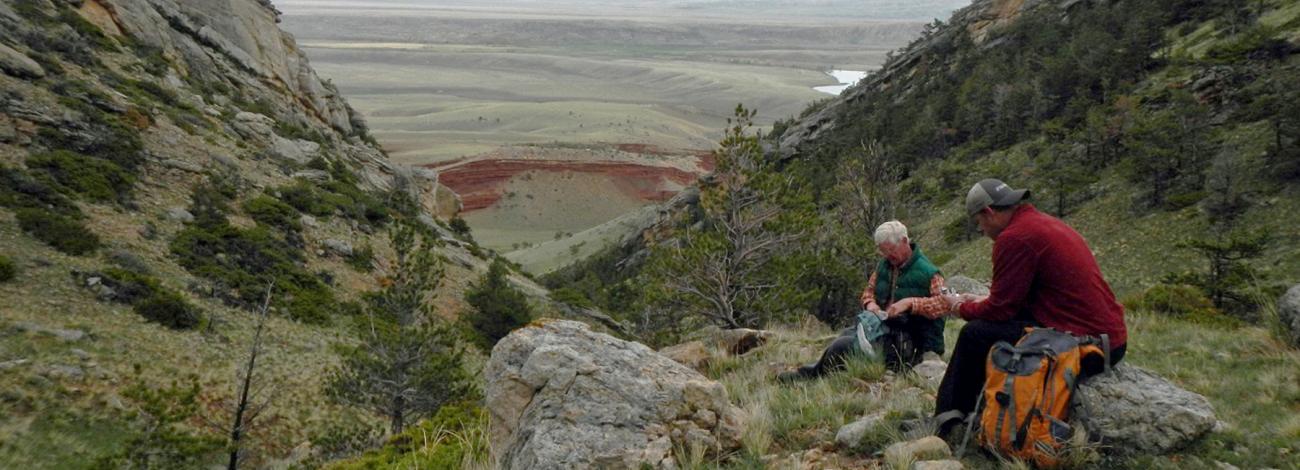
(1135, 411)
(1288, 310)
(562, 396)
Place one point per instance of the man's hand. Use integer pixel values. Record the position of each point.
(899, 308)
(954, 301)
(872, 307)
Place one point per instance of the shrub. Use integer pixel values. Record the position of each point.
(151, 299)
(7, 269)
(1170, 299)
(499, 308)
(1181, 301)
(168, 309)
(338, 197)
(362, 258)
(243, 262)
(454, 437)
(571, 296)
(18, 189)
(270, 211)
(130, 287)
(94, 178)
(62, 233)
(461, 228)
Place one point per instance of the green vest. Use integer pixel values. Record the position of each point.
(913, 281)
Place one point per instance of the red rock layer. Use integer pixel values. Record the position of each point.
(480, 183)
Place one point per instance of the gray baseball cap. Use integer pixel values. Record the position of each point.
(992, 192)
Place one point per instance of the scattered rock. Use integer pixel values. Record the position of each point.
(8, 132)
(102, 291)
(295, 150)
(1135, 411)
(931, 370)
(735, 341)
(693, 354)
(562, 396)
(148, 231)
(129, 261)
(1224, 466)
(741, 340)
(63, 372)
(254, 123)
(1288, 309)
(851, 434)
(339, 247)
(938, 465)
(180, 214)
(925, 448)
(13, 364)
(225, 161)
(67, 336)
(308, 221)
(18, 64)
(80, 353)
(182, 165)
(316, 176)
(907, 398)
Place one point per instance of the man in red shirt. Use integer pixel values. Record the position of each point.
(1043, 275)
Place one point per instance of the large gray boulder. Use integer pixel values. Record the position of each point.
(1135, 411)
(562, 396)
(1288, 309)
(966, 285)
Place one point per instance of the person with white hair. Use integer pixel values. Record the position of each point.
(903, 295)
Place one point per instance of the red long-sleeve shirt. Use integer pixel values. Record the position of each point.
(1042, 265)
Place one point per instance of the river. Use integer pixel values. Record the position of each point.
(845, 77)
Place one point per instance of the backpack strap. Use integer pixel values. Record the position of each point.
(1105, 352)
(970, 424)
(1010, 410)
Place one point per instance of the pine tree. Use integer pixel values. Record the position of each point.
(1229, 272)
(740, 267)
(499, 308)
(407, 364)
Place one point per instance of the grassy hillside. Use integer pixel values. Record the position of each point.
(1150, 127)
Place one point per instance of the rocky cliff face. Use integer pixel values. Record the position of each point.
(218, 57)
(185, 147)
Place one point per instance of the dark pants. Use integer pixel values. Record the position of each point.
(964, 379)
(920, 332)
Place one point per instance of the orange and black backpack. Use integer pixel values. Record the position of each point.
(1027, 394)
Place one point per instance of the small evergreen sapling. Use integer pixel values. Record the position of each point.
(499, 308)
(407, 363)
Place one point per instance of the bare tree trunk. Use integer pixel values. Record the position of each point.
(399, 406)
(237, 429)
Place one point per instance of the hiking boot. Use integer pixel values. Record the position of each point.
(947, 423)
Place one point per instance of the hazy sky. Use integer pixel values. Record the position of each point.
(915, 10)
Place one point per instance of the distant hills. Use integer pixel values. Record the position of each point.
(900, 10)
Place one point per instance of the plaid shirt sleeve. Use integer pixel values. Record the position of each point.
(932, 306)
(869, 293)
